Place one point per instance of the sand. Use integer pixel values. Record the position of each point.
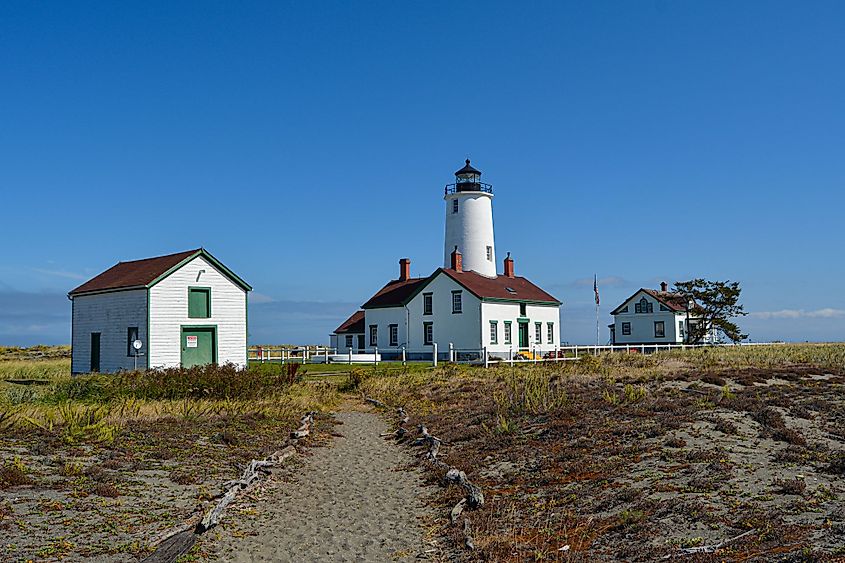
(350, 502)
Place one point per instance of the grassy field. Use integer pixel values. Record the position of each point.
(619, 457)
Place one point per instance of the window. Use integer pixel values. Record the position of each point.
(454, 206)
(394, 334)
(131, 336)
(349, 341)
(507, 332)
(457, 304)
(373, 335)
(659, 329)
(522, 309)
(538, 333)
(494, 332)
(644, 306)
(489, 253)
(681, 329)
(626, 329)
(199, 302)
(426, 303)
(428, 333)
(550, 332)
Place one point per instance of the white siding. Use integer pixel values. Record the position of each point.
(471, 230)
(462, 330)
(642, 324)
(501, 312)
(110, 314)
(169, 312)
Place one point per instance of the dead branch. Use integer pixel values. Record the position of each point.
(710, 548)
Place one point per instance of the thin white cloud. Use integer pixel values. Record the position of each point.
(255, 297)
(826, 313)
(60, 274)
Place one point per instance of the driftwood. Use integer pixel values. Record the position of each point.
(468, 541)
(457, 510)
(474, 496)
(376, 402)
(177, 541)
(304, 426)
(174, 546)
(710, 548)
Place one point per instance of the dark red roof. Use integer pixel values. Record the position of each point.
(676, 302)
(137, 273)
(516, 288)
(394, 294)
(354, 324)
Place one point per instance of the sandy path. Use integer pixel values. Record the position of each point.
(350, 504)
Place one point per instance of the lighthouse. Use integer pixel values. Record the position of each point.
(469, 222)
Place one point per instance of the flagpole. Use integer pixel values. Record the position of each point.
(596, 292)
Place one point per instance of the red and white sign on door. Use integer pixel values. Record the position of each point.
(191, 341)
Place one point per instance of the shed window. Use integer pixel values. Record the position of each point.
(199, 302)
(131, 336)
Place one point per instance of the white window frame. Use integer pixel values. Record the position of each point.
(349, 341)
(628, 326)
(374, 335)
(393, 333)
(428, 333)
(428, 303)
(662, 329)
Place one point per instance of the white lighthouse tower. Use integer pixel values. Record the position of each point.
(469, 222)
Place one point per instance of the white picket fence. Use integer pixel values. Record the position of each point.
(475, 356)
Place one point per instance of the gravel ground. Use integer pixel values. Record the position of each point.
(349, 502)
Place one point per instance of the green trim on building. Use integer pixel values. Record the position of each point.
(214, 262)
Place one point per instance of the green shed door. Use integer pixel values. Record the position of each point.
(199, 346)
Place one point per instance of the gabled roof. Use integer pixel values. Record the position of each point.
(354, 324)
(398, 293)
(138, 274)
(675, 302)
(395, 294)
(503, 288)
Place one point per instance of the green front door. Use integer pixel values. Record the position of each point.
(523, 334)
(199, 346)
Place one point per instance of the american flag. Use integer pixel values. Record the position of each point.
(596, 287)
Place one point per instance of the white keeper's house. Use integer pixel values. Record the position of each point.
(652, 316)
(184, 309)
(466, 305)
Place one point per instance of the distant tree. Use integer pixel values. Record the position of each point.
(716, 303)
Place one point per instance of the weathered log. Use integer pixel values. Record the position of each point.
(468, 541)
(403, 416)
(376, 402)
(188, 524)
(171, 548)
(304, 426)
(457, 509)
(475, 498)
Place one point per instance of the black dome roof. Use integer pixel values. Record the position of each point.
(467, 169)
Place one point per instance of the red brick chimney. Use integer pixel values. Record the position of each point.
(664, 286)
(509, 266)
(404, 269)
(457, 260)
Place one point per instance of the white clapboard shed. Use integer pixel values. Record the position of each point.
(186, 309)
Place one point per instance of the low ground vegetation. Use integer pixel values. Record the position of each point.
(632, 457)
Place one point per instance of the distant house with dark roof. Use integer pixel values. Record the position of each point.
(653, 316)
(465, 306)
(182, 309)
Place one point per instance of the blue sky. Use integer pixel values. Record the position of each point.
(306, 145)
